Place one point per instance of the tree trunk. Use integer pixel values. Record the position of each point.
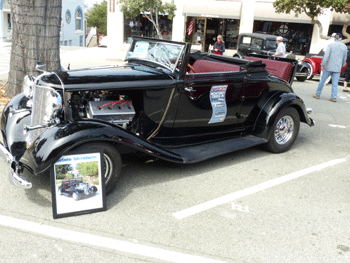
(345, 41)
(155, 24)
(35, 38)
(345, 33)
(320, 29)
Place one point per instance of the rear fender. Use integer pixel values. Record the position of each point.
(58, 140)
(238, 55)
(275, 105)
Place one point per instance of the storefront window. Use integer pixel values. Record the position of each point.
(141, 26)
(195, 31)
(337, 29)
(231, 33)
(202, 32)
(298, 35)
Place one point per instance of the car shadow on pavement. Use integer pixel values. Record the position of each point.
(140, 170)
(40, 193)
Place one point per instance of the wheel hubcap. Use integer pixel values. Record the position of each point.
(284, 130)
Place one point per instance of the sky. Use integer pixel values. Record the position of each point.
(90, 3)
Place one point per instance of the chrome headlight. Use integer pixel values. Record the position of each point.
(28, 84)
(53, 106)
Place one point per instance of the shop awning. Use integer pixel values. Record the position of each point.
(266, 12)
(214, 9)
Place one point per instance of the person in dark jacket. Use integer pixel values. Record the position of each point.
(347, 73)
(219, 46)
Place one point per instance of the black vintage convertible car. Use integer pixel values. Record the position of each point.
(165, 101)
(76, 189)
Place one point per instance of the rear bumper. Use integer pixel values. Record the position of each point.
(14, 177)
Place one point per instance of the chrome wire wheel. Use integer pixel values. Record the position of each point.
(310, 71)
(112, 162)
(108, 168)
(284, 129)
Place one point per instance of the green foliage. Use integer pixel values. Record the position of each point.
(97, 17)
(62, 171)
(132, 8)
(88, 169)
(311, 8)
(149, 8)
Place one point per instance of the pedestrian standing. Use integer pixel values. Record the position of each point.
(219, 46)
(332, 62)
(331, 40)
(281, 48)
(347, 73)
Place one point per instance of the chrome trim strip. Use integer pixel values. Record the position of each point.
(18, 181)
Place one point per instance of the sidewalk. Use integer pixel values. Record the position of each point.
(83, 57)
(77, 57)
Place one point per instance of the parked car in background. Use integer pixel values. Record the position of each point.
(312, 65)
(257, 43)
(165, 101)
(264, 46)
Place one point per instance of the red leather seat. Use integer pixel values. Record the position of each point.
(203, 66)
(276, 68)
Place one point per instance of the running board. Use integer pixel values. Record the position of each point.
(197, 153)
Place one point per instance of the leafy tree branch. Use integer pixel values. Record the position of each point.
(149, 8)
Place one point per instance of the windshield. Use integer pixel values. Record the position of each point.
(271, 44)
(163, 53)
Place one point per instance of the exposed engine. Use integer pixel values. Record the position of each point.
(103, 105)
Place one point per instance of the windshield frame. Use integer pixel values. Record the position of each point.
(161, 43)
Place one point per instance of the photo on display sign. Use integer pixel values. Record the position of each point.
(77, 184)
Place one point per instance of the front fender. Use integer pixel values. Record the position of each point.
(273, 106)
(58, 140)
(15, 117)
(312, 63)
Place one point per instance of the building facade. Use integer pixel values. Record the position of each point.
(5, 21)
(199, 22)
(72, 24)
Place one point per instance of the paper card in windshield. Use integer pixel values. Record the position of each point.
(141, 49)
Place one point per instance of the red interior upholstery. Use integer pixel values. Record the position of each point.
(202, 66)
(276, 68)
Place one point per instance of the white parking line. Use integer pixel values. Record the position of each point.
(97, 241)
(252, 190)
(337, 126)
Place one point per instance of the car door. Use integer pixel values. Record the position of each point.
(209, 103)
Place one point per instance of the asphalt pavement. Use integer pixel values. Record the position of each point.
(249, 206)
